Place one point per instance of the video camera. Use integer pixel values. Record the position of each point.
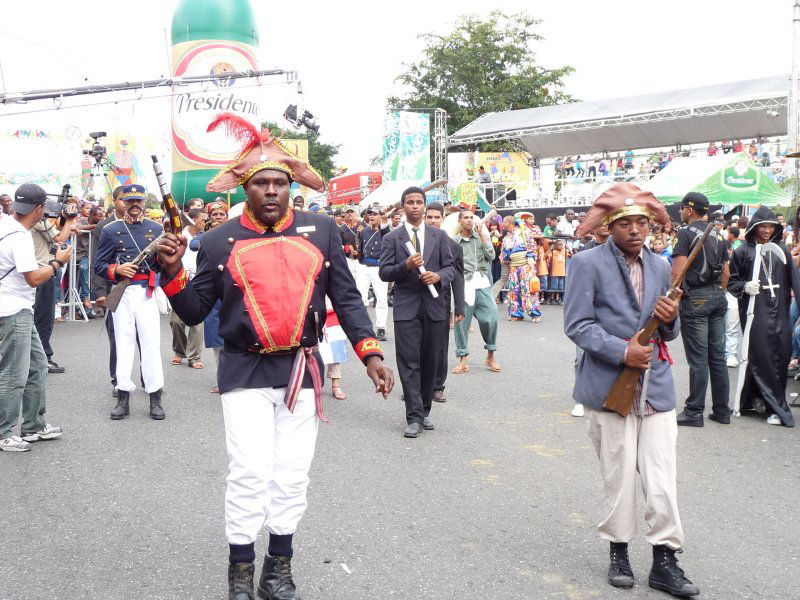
(97, 151)
(55, 208)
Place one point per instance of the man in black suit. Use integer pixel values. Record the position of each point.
(420, 320)
(453, 296)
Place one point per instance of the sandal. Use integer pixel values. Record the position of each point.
(196, 364)
(215, 390)
(493, 366)
(459, 369)
(176, 360)
(338, 393)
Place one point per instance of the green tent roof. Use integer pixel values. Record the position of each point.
(725, 179)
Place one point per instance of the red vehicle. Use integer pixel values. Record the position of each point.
(351, 188)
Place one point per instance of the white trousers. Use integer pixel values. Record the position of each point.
(354, 266)
(644, 445)
(731, 326)
(269, 455)
(137, 312)
(365, 276)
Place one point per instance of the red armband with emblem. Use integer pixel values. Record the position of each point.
(177, 284)
(368, 346)
(112, 272)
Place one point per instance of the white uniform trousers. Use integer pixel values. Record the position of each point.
(353, 266)
(138, 313)
(644, 445)
(731, 326)
(365, 276)
(269, 455)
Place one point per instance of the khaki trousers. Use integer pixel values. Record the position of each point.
(644, 445)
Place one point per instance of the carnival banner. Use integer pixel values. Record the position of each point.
(502, 167)
(407, 146)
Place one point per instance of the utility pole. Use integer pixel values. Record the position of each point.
(794, 97)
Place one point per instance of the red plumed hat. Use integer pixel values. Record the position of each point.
(260, 151)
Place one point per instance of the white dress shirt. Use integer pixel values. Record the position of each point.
(420, 235)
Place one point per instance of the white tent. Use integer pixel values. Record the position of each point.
(737, 110)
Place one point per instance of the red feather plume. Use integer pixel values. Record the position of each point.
(239, 129)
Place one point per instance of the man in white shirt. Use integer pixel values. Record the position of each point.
(566, 226)
(23, 363)
(189, 345)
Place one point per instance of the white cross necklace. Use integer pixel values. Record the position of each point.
(771, 286)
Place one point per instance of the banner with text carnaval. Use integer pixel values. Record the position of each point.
(196, 154)
(407, 146)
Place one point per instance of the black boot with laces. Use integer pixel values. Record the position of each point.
(667, 576)
(122, 409)
(156, 412)
(276, 579)
(240, 581)
(620, 573)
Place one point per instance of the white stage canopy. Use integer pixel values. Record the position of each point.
(740, 110)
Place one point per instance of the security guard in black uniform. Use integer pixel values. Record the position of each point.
(120, 242)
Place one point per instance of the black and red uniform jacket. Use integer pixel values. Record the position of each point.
(272, 283)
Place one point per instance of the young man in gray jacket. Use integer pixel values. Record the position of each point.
(612, 292)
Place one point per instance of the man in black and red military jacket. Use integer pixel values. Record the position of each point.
(271, 268)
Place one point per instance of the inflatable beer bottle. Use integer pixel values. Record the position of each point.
(210, 37)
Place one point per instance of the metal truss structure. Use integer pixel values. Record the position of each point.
(439, 144)
(767, 105)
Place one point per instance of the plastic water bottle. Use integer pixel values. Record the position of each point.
(210, 37)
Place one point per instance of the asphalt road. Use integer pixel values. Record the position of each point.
(500, 502)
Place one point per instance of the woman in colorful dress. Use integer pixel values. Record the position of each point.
(521, 253)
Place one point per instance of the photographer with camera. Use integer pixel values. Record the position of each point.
(22, 358)
(52, 231)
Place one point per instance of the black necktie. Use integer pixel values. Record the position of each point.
(414, 239)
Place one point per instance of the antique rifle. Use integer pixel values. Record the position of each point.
(175, 224)
(115, 295)
(620, 396)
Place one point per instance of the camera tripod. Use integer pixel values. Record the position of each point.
(100, 168)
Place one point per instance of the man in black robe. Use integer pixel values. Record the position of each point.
(770, 346)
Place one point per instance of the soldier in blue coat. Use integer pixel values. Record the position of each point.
(120, 242)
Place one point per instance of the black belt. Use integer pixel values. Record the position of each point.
(259, 350)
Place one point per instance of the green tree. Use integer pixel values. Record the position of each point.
(485, 64)
(319, 155)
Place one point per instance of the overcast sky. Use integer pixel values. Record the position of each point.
(348, 53)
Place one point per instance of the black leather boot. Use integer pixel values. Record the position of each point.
(276, 579)
(122, 409)
(667, 576)
(156, 412)
(240, 581)
(620, 573)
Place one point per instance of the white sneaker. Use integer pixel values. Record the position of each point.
(48, 433)
(774, 420)
(732, 362)
(14, 444)
(577, 410)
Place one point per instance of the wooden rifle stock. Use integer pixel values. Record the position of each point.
(620, 395)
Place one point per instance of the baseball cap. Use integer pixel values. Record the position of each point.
(375, 209)
(695, 200)
(27, 197)
(350, 209)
